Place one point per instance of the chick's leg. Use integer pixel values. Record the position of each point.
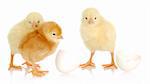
(89, 64)
(111, 66)
(36, 72)
(11, 65)
(29, 64)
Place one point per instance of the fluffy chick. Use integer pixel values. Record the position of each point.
(29, 24)
(39, 44)
(97, 34)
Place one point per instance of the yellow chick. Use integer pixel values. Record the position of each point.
(97, 34)
(39, 44)
(29, 24)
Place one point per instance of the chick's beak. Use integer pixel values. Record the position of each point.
(61, 37)
(34, 25)
(90, 21)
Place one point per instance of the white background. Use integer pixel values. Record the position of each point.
(130, 17)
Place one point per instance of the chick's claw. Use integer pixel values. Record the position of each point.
(88, 65)
(109, 66)
(13, 67)
(38, 73)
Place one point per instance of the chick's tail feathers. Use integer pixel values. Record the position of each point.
(64, 62)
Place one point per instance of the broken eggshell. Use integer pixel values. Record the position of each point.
(127, 61)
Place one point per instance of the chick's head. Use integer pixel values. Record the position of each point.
(33, 20)
(91, 17)
(52, 31)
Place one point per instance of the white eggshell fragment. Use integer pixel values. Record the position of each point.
(127, 61)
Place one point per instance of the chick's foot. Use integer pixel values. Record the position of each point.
(109, 66)
(38, 73)
(14, 67)
(88, 65)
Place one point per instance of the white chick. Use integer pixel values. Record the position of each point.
(29, 24)
(97, 34)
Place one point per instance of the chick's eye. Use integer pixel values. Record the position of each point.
(53, 34)
(86, 18)
(29, 22)
(38, 21)
(95, 18)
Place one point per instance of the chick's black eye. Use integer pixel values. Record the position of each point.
(53, 33)
(38, 21)
(29, 22)
(86, 18)
(95, 18)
